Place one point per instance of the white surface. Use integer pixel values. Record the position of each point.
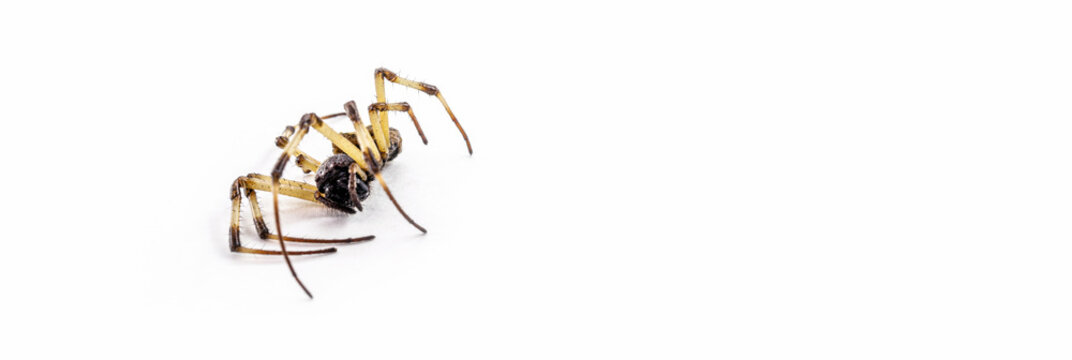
(754, 180)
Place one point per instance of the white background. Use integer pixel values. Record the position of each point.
(758, 179)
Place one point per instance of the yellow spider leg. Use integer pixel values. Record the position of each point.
(286, 187)
(429, 89)
(306, 162)
(402, 106)
(360, 131)
(339, 141)
(379, 132)
(262, 228)
(268, 179)
(380, 123)
(235, 242)
(236, 206)
(277, 172)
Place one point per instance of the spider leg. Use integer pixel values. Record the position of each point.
(376, 172)
(362, 134)
(380, 134)
(295, 189)
(402, 106)
(304, 191)
(399, 107)
(306, 162)
(382, 74)
(236, 243)
(277, 172)
(262, 227)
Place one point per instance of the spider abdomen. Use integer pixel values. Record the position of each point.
(333, 181)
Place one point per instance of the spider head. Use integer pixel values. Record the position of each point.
(333, 181)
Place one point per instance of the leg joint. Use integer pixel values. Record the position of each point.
(428, 88)
(235, 244)
(387, 74)
(235, 186)
(401, 106)
(351, 111)
(262, 228)
(277, 171)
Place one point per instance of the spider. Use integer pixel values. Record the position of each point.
(342, 180)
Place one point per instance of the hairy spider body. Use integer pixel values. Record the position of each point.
(343, 180)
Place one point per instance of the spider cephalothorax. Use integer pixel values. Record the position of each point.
(342, 180)
(333, 181)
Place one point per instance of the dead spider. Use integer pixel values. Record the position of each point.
(342, 179)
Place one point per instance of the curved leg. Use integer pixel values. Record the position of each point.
(287, 187)
(262, 227)
(296, 189)
(381, 120)
(236, 206)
